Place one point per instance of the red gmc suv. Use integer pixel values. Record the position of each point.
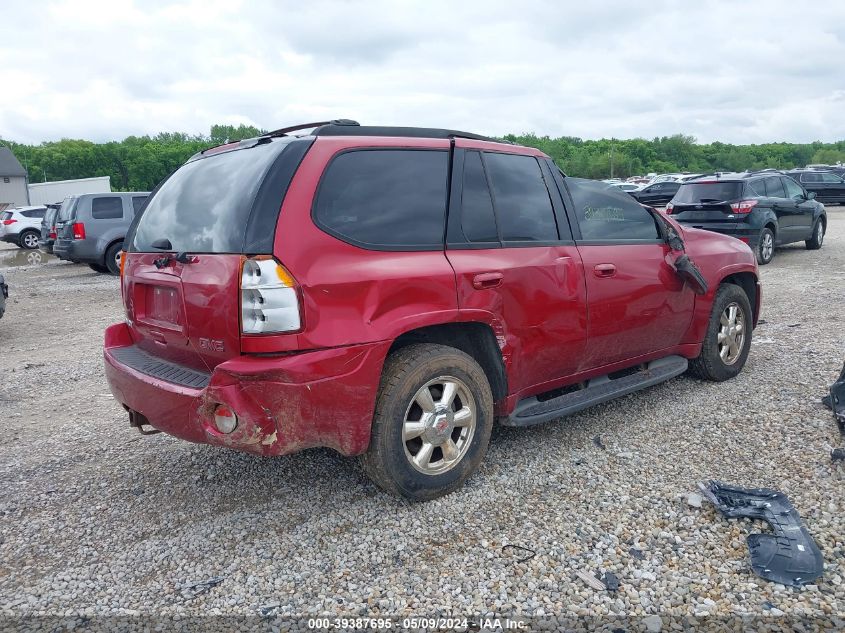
(393, 292)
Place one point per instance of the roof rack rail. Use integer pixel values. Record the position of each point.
(764, 171)
(305, 126)
(334, 129)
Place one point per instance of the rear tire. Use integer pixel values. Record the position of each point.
(28, 240)
(727, 340)
(113, 258)
(815, 242)
(765, 247)
(99, 268)
(432, 423)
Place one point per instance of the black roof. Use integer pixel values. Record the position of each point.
(9, 165)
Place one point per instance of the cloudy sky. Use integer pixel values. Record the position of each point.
(739, 72)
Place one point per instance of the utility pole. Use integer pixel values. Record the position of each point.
(611, 159)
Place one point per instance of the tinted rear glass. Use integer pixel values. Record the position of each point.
(204, 206)
(7, 215)
(477, 220)
(695, 193)
(67, 209)
(50, 216)
(385, 198)
(523, 207)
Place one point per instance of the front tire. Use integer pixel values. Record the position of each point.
(815, 242)
(727, 340)
(432, 424)
(765, 247)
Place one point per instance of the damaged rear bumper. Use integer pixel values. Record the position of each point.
(284, 403)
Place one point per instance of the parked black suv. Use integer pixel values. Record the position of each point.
(763, 209)
(827, 185)
(658, 193)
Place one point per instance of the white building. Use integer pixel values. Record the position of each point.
(58, 190)
(13, 191)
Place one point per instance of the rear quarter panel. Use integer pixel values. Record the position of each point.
(350, 294)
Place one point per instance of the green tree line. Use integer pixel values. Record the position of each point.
(138, 163)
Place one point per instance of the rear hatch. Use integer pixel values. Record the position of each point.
(182, 272)
(706, 201)
(65, 218)
(48, 223)
(5, 221)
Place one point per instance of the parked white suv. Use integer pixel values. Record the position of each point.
(22, 226)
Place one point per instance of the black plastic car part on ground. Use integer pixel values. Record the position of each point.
(835, 401)
(4, 294)
(763, 209)
(790, 556)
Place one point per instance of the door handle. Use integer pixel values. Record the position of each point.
(604, 270)
(487, 280)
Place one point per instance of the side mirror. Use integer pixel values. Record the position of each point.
(811, 195)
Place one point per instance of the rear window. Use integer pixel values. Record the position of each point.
(6, 215)
(205, 205)
(389, 199)
(693, 193)
(110, 208)
(67, 209)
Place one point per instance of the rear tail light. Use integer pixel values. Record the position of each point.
(53, 233)
(269, 298)
(78, 231)
(743, 206)
(8, 222)
(225, 419)
(669, 207)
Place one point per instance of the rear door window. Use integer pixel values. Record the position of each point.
(831, 178)
(810, 178)
(523, 208)
(604, 213)
(478, 222)
(389, 199)
(107, 208)
(793, 189)
(774, 188)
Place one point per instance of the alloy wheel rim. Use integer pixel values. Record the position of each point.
(731, 334)
(768, 246)
(820, 233)
(30, 241)
(439, 425)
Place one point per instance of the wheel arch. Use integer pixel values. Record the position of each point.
(108, 246)
(747, 281)
(474, 338)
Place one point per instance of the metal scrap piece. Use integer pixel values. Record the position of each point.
(836, 400)
(790, 556)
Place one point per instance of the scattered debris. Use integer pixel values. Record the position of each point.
(836, 400)
(761, 322)
(837, 455)
(637, 553)
(590, 581)
(609, 580)
(694, 500)
(531, 552)
(790, 556)
(793, 325)
(597, 441)
(267, 609)
(202, 586)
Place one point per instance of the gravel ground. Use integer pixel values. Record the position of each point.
(98, 519)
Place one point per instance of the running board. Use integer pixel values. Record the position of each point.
(601, 389)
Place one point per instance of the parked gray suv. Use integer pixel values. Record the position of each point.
(90, 228)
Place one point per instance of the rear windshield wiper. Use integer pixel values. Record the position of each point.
(163, 244)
